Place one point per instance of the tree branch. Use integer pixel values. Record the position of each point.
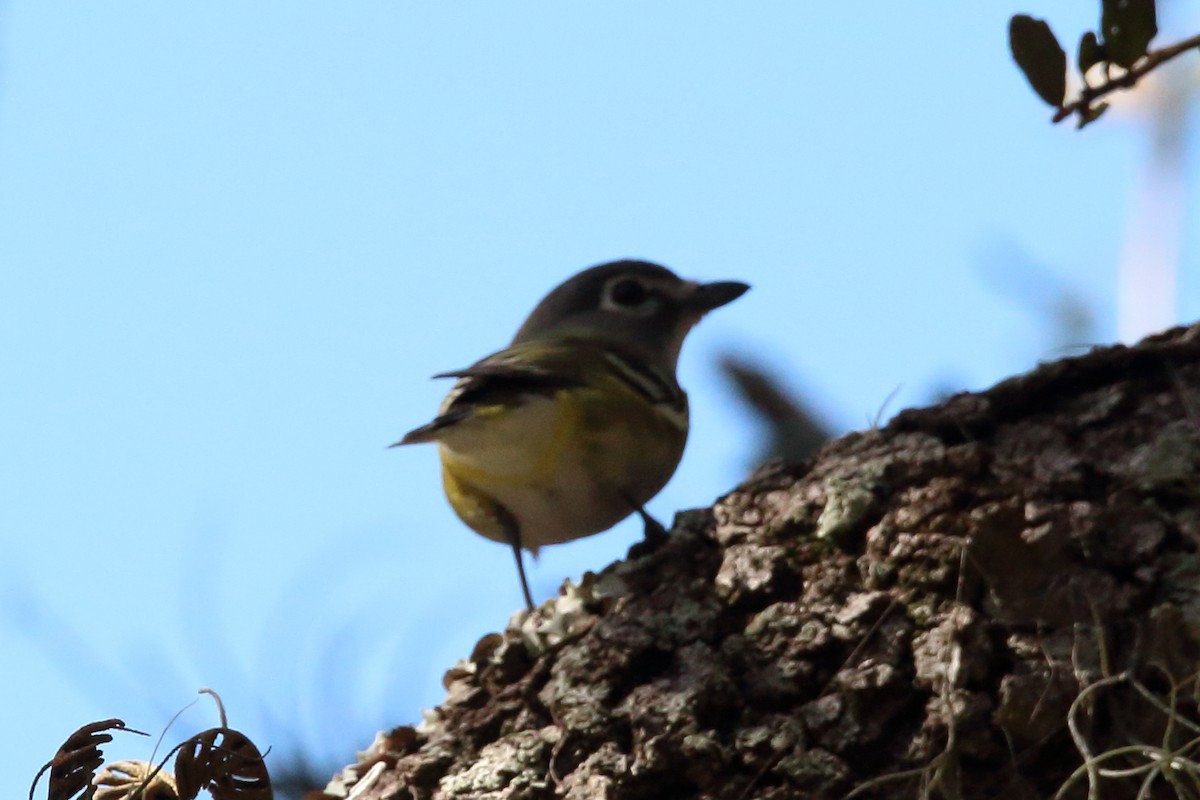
(1153, 61)
(915, 609)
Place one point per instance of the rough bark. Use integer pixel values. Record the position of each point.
(959, 605)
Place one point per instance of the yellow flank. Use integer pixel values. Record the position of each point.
(566, 465)
(509, 445)
(477, 510)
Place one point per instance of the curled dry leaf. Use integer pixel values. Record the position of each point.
(74, 765)
(226, 763)
(134, 780)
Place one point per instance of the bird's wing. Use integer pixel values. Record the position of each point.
(504, 379)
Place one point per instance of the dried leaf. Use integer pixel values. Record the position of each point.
(226, 763)
(1128, 26)
(74, 765)
(1040, 56)
(134, 780)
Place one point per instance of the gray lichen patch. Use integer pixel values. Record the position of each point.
(506, 768)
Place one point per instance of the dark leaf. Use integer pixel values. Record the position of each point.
(76, 762)
(1127, 27)
(226, 763)
(1091, 53)
(1040, 57)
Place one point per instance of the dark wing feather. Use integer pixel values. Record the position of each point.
(426, 431)
(502, 382)
(504, 378)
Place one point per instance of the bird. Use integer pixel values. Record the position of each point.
(579, 421)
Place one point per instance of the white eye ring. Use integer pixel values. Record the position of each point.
(628, 296)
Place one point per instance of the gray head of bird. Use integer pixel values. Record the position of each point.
(636, 306)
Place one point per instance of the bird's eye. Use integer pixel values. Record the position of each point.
(628, 293)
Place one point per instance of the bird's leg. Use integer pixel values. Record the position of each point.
(655, 535)
(652, 530)
(513, 529)
(519, 556)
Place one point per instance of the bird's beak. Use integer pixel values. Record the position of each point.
(707, 296)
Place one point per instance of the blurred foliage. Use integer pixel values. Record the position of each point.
(1119, 50)
(793, 431)
(1060, 318)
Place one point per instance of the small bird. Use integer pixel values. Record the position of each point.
(580, 421)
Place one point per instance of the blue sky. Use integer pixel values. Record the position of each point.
(236, 239)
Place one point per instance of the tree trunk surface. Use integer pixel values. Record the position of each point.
(998, 596)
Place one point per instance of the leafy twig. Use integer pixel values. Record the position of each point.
(1154, 59)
